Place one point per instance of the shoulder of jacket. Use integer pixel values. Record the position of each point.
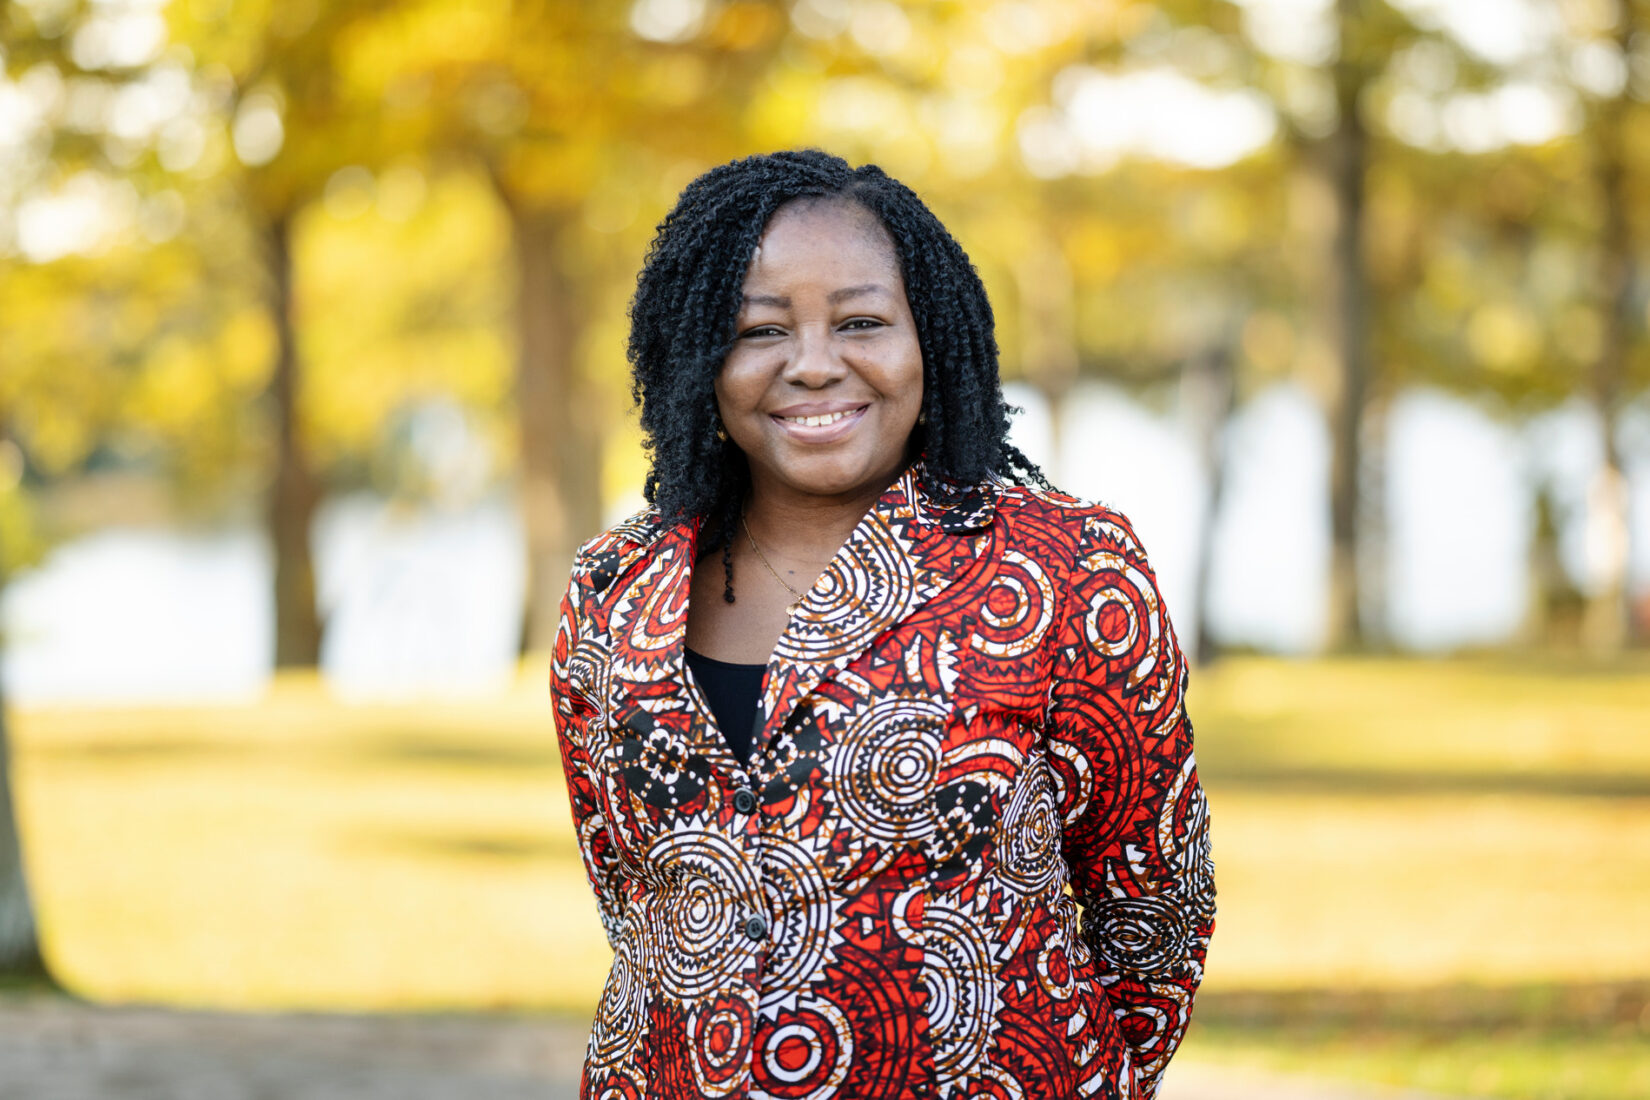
(1088, 524)
(600, 560)
(629, 533)
(1034, 503)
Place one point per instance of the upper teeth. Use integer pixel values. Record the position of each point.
(817, 421)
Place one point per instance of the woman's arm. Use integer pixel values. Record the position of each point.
(1135, 821)
(574, 714)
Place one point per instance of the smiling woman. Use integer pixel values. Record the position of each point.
(900, 801)
(820, 393)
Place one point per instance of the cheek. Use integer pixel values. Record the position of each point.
(739, 386)
(907, 377)
(917, 383)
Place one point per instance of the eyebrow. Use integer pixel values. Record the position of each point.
(779, 301)
(854, 292)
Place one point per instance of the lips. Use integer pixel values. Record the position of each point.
(818, 423)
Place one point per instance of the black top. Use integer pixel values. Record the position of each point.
(732, 691)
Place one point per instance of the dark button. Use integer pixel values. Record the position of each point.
(756, 928)
(744, 800)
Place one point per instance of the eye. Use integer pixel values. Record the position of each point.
(760, 331)
(862, 324)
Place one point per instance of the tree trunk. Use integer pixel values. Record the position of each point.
(1556, 606)
(19, 943)
(1207, 395)
(293, 495)
(557, 413)
(1607, 622)
(1346, 154)
(1372, 531)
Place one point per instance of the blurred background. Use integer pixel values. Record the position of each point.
(312, 317)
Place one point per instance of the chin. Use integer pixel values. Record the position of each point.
(835, 477)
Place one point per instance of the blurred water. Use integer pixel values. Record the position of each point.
(142, 615)
(424, 602)
(1459, 487)
(1460, 527)
(416, 603)
(1268, 576)
(419, 602)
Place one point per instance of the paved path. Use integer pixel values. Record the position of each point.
(57, 1049)
(60, 1050)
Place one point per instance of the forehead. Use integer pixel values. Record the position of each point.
(821, 237)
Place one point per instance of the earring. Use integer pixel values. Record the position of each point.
(922, 418)
(721, 434)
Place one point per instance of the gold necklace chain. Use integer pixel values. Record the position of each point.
(763, 558)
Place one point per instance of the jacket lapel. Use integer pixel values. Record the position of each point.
(905, 551)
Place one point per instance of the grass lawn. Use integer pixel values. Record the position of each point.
(1424, 867)
(1584, 1041)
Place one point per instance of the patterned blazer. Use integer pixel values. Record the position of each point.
(969, 856)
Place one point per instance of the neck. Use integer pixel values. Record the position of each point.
(800, 525)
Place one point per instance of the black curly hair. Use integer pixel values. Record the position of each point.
(682, 328)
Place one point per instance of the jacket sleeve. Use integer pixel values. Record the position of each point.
(1135, 823)
(579, 710)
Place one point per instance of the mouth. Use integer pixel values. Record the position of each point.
(818, 420)
(820, 426)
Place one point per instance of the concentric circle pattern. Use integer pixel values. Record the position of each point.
(719, 1035)
(613, 1034)
(1055, 971)
(1017, 608)
(794, 884)
(1145, 935)
(888, 763)
(865, 588)
(959, 978)
(699, 919)
(808, 1054)
(1030, 844)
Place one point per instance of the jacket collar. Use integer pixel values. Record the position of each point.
(907, 549)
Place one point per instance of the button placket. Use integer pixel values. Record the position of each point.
(751, 779)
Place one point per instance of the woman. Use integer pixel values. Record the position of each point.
(877, 753)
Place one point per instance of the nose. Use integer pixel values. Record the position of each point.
(814, 362)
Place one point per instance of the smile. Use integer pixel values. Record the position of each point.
(829, 426)
(817, 421)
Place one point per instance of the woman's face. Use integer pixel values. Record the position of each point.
(824, 382)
